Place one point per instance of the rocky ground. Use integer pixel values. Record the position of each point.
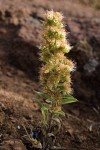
(20, 37)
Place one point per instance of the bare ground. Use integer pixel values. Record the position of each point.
(20, 36)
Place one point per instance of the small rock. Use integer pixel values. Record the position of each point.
(9, 74)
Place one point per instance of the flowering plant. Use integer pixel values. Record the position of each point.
(55, 75)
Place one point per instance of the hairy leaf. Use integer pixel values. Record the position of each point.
(39, 103)
(49, 100)
(40, 93)
(68, 99)
(44, 111)
(60, 112)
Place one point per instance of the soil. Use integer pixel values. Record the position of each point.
(20, 37)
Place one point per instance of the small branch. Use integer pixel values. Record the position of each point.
(26, 132)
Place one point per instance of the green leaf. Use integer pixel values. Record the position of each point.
(49, 100)
(38, 102)
(44, 111)
(60, 112)
(68, 99)
(39, 93)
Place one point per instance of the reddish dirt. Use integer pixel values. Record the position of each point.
(20, 36)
